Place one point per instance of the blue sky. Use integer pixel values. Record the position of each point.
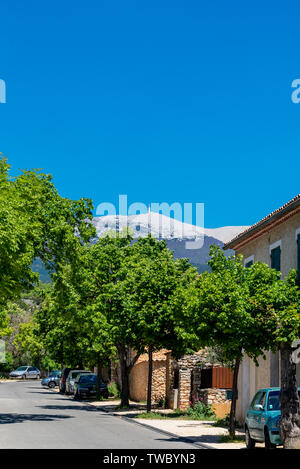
(165, 101)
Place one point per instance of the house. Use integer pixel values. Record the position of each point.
(180, 383)
(274, 240)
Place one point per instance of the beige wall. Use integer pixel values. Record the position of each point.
(252, 378)
(139, 378)
(286, 232)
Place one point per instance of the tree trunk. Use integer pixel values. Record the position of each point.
(289, 400)
(234, 396)
(125, 373)
(150, 367)
(99, 376)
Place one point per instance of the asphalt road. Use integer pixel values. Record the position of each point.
(34, 417)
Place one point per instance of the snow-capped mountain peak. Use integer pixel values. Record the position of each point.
(163, 227)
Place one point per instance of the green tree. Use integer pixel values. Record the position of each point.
(286, 304)
(28, 341)
(75, 327)
(35, 221)
(152, 277)
(231, 307)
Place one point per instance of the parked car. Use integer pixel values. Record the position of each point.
(52, 380)
(26, 372)
(62, 383)
(262, 419)
(86, 386)
(71, 379)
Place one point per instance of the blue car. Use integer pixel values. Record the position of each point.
(52, 380)
(262, 419)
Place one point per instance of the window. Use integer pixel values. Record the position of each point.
(206, 378)
(249, 261)
(255, 400)
(259, 399)
(275, 253)
(176, 379)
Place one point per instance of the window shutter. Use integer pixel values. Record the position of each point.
(275, 258)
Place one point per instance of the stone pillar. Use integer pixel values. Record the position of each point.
(184, 388)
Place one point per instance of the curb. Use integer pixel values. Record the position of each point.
(157, 430)
(133, 421)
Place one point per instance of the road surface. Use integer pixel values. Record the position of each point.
(34, 417)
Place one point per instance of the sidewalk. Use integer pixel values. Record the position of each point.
(198, 431)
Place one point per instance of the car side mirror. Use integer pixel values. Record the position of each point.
(259, 407)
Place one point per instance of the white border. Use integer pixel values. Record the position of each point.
(274, 245)
(249, 259)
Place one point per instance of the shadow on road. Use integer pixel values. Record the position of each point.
(19, 418)
(69, 407)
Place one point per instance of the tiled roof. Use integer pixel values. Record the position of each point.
(286, 208)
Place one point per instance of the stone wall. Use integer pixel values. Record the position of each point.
(184, 388)
(217, 398)
(139, 378)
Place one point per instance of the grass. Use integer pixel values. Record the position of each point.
(230, 439)
(177, 415)
(224, 423)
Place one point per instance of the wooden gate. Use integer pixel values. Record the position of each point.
(222, 377)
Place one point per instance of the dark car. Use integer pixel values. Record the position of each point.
(86, 386)
(52, 380)
(62, 383)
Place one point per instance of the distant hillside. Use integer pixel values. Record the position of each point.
(174, 232)
(39, 267)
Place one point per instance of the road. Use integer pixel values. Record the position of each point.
(34, 417)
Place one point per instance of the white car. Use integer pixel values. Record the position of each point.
(71, 379)
(26, 372)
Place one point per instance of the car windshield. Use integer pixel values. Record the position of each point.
(273, 400)
(22, 368)
(88, 379)
(55, 374)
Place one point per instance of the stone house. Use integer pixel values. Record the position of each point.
(178, 384)
(274, 240)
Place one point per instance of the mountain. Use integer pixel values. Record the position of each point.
(177, 235)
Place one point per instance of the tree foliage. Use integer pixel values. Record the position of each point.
(35, 221)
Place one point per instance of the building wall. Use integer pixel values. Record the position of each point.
(218, 398)
(139, 378)
(286, 232)
(267, 374)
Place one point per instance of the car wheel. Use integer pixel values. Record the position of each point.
(24, 376)
(268, 444)
(76, 396)
(37, 376)
(51, 384)
(250, 443)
